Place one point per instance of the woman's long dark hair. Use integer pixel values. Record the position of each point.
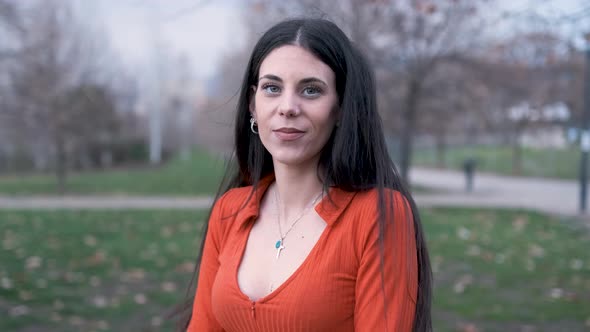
(355, 157)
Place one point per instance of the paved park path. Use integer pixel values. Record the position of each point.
(560, 197)
(444, 188)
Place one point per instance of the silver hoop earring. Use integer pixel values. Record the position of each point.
(252, 124)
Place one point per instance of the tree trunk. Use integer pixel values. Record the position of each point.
(516, 155)
(409, 127)
(441, 150)
(60, 164)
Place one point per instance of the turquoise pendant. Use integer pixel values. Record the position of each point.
(279, 246)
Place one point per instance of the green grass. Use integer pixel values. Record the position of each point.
(504, 270)
(498, 270)
(198, 175)
(549, 163)
(80, 271)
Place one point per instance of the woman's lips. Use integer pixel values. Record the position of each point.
(288, 134)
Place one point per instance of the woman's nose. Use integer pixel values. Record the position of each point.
(289, 106)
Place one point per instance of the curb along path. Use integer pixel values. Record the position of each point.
(445, 188)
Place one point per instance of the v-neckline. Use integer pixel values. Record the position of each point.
(285, 283)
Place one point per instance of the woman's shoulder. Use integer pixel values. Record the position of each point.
(236, 194)
(227, 208)
(366, 205)
(233, 199)
(370, 198)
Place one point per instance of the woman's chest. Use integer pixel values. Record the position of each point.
(317, 296)
(271, 257)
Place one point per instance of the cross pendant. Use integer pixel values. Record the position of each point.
(281, 247)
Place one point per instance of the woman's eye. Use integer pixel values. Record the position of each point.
(311, 91)
(270, 88)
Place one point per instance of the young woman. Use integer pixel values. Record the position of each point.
(314, 230)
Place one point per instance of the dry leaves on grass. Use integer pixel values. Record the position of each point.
(467, 327)
(140, 298)
(519, 223)
(462, 283)
(576, 264)
(463, 233)
(19, 310)
(168, 286)
(132, 275)
(186, 267)
(536, 251)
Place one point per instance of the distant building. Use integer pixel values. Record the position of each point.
(545, 128)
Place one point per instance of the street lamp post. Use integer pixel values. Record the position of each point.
(585, 137)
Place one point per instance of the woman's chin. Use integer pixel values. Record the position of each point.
(290, 158)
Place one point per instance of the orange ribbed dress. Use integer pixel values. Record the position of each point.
(338, 287)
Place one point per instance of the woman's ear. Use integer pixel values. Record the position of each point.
(252, 104)
(336, 114)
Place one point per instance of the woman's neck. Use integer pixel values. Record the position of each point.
(295, 187)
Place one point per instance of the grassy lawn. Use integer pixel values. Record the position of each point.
(94, 271)
(550, 163)
(122, 271)
(508, 271)
(200, 174)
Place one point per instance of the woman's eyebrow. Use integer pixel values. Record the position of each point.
(271, 77)
(312, 80)
(303, 81)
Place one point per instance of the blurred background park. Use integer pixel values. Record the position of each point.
(116, 124)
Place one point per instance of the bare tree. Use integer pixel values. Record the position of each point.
(60, 101)
(529, 73)
(10, 24)
(455, 104)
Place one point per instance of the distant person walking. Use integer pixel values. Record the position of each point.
(469, 170)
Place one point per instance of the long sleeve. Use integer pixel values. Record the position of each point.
(386, 294)
(202, 318)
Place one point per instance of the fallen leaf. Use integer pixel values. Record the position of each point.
(6, 283)
(94, 281)
(473, 251)
(56, 317)
(186, 267)
(530, 265)
(20, 310)
(556, 293)
(463, 233)
(140, 298)
(166, 232)
(90, 240)
(168, 286)
(97, 258)
(156, 321)
(467, 327)
(576, 264)
(33, 262)
(462, 283)
(102, 325)
(536, 251)
(519, 223)
(76, 320)
(41, 283)
(25, 295)
(134, 275)
(99, 301)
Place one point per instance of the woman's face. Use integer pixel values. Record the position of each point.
(295, 105)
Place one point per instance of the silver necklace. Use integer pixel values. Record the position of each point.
(279, 245)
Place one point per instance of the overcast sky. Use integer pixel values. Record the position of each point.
(203, 30)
